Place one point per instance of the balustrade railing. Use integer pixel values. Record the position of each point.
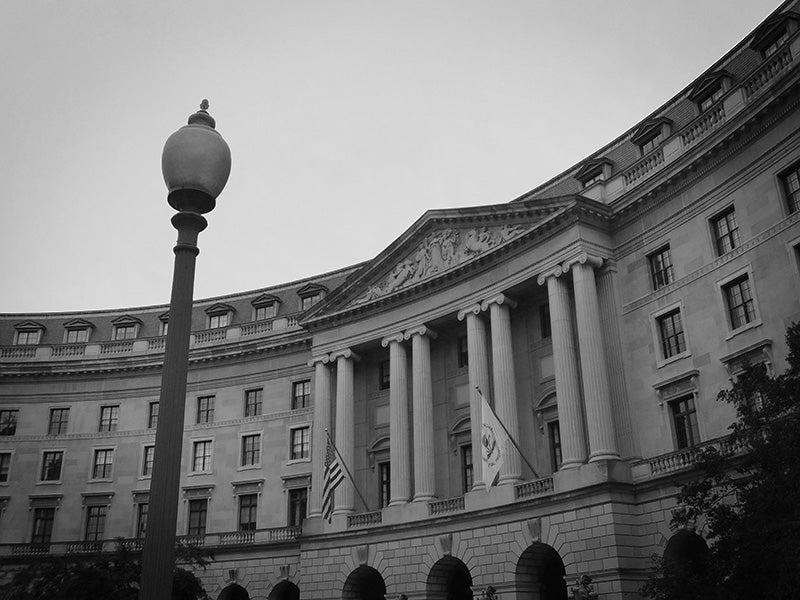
(256, 328)
(68, 350)
(702, 126)
(645, 167)
(116, 347)
(771, 69)
(157, 344)
(681, 459)
(209, 336)
(18, 352)
(537, 487)
(448, 505)
(364, 519)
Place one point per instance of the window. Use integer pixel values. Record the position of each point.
(51, 465)
(201, 456)
(141, 519)
(205, 409)
(8, 422)
(554, 440)
(164, 327)
(217, 321)
(77, 336)
(152, 416)
(124, 332)
(383, 375)
(198, 509)
(252, 403)
(301, 394)
(661, 267)
(300, 444)
(684, 421)
(726, 232)
(95, 522)
(147, 461)
(544, 321)
(298, 501)
(43, 525)
(467, 471)
(109, 418)
(59, 417)
(103, 463)
(670, 330)
(777, 43)
(5, 466)
(251, 450)
(248, 509)
(28, 338)
(739, 300)
(709, 100)
(384, 484)
(791, 187)
(463, 352)
(265, 312)
(307, 302)
(652, 143)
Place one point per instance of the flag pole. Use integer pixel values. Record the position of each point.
(346, 470)
(510, 437)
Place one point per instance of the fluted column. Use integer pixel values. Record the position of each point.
(599, 416)
(565, 362)
(478, 369)
(422, 398)
(399, 443)
(322, 421)
(345, 426)
(505, 391)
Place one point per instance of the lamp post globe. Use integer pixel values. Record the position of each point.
(195, 163)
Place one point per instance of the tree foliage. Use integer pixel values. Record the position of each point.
(746, 498)
(112, 576)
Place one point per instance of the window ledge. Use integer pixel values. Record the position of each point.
(668, 361)
(59, 482)
(293, 461)
(743, 328)
(248, 467)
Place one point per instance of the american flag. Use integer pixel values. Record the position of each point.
(332, 477)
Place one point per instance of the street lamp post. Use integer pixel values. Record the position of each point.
(196, 163)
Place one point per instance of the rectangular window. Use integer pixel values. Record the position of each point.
(141, 519)
(661, 267)
(43, 525)
(652, 143)
(463, 352)
(251, 450)
(5, 466)
(467, 471)
(217, 321)
(147, 461)
(670, 330)
(109, 418)
(777, 44)
(164, 327)
(152, 416)
(684, 420)
(554, 439)
(266, 312)
(726, 232)
(300, 442)
(383, 375)
(205, 409)
(201, 456)
(59, 417)
(298, 501)
(544, 321)
(384, 484)
(739, 299)
(308, 301)
(125, 332)
(77, 336)
(103, 464)
(248, 509)
(301, 394)
(791, 187)
(51, 465)
(252, 403)
(709, 101)
(95, 523)
(28, 338)
(198, 509)
(8, 422)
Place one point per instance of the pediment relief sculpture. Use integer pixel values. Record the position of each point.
(438, 252)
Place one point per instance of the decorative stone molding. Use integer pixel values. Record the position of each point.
(362, 554)
(346, 353)
(445, 542)
(679, 385)
(420, 330)
(556, 271)
(475, 309)
(583, 258)
(324, 359)
(499, 299)
(535, 529)
(395, 337)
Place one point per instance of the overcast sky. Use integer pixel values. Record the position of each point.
(346, 119)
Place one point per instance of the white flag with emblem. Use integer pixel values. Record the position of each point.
(494, 442)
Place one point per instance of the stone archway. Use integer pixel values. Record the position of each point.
(365, 583)
(449, 579)
(285, 590)
(233, 592)
(687, 552)
(540, 574)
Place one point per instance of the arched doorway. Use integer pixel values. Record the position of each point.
(233, 592)
(540, 574)
(686, 552)
(365, 583)
(285, 590)
(449, 579)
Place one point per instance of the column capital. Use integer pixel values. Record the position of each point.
(420, 330)
(395, 337)
(583, 258)
(475, 309)
(499, 299)
(345, 353)
(556, 271)
(323, 358)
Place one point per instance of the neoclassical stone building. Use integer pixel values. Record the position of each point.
(599, 314)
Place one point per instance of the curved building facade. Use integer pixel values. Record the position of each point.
(598, 314)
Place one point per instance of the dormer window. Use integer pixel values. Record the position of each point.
(77, 331)
(311, 295)
(164, 319)
(710, 89)
(219, 315)
(651, 134)
(126, 328)
(594, 171)
(773, 33)
(265, 307)
(28, 333)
